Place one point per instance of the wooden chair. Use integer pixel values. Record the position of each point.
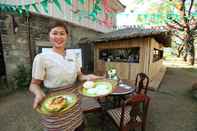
(132, 114)
(141, 83)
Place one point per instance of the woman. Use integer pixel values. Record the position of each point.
(58, 73)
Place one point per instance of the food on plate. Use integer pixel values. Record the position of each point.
(97, 88)
(55, 104)
(88, 84)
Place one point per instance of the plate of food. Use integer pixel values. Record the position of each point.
(96, 88)
(57, 104)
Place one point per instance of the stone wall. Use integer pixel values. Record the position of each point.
(16, 45)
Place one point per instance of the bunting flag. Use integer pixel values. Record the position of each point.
(69, 2)
(82, 1)
(106, 6)
(45, 6)
(20, 10)
(57, 5)
(35, 8)
(98, 7)
(27, 7)
(96, 10)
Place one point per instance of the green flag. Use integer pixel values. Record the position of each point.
(82, 1)
(97, 8)
(13, 8)
(93, 15)
(45, 6)
(35, 8)
(57, 5)
(27, 7)
(68, 2)
(3, 8)
(20, 10)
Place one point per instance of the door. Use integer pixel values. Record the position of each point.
(87, 58)
(2, 64)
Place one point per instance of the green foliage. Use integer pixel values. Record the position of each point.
(109, 67)
(22, 77)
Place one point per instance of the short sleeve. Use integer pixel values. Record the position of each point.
(38, 68)
(78, 68)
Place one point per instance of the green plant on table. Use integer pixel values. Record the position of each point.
(112, 72)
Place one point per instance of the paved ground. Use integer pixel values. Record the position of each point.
(172, 108)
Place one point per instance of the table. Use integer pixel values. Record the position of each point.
(124, 88)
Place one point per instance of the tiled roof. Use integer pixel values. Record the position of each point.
(162, 36)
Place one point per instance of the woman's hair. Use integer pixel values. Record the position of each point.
(58, 24)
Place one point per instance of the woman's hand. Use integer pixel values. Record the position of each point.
(94, 77)
(83, 77)
(37, 91)
(39, 96)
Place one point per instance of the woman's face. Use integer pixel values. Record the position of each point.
(58, 37)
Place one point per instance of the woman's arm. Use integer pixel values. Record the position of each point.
(37, 91)
(83, 77)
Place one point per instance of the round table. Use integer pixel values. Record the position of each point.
(122, 90)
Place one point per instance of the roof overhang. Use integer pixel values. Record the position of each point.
(162, 37)
(116, 6)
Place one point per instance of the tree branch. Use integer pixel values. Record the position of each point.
(190, 8)
(178, 36)
(182, 26)
(174, 27)
(195, 27)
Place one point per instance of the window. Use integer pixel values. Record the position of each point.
(75, 54)
(157, 54)
(130, 55)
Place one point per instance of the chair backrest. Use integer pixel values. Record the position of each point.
(141, 83)
(138, 112)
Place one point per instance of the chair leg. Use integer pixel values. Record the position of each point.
(143, 128)
(81, 127)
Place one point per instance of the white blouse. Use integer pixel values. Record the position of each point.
(54, 69)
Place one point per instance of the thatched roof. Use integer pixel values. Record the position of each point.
(162, 36)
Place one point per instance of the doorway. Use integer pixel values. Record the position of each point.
(2, 63)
